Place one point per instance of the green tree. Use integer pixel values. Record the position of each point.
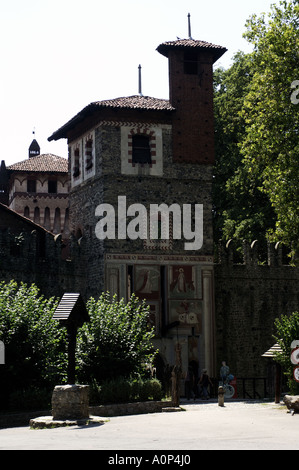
(117, 341)
(256, 178)
(241, 211)
(35, 355)
(286, 331)
(271, 146)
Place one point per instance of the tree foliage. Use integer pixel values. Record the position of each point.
(259, 131)
(241, 211)
(116, 343)
(34, 346)
(287, 330)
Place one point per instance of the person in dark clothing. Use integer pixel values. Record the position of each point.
(205, 381)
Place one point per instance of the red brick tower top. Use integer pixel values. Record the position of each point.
(191, 94)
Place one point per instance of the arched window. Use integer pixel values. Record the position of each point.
(47, 220)
(27, 212)
(57, 223)
(89, 154)
(36, 215)
(76, 167)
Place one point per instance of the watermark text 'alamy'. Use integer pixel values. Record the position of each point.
(153, 226)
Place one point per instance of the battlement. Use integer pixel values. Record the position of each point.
(250, 254)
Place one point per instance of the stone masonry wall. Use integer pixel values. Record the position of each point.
(249, 295)
(25, 257)
(182, 184)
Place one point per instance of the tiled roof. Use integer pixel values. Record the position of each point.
(140, 102)
(191, 43)
(136, 102)
(42, 163)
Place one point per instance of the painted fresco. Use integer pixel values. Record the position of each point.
(187, 312)
(147, 282)
(184, 282)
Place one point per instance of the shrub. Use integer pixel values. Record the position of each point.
(35, 356)
(116, 341)
(123, 390)
(287, 330)
(115, 344)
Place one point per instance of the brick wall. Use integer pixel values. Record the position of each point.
(193, 121)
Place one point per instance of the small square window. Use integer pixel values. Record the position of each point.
(52, 186)
(31, 186)
(141, 151)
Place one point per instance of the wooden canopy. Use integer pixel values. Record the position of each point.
(71, 311)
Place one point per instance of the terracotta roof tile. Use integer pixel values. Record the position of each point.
(137, 102)
(42, 163)
(146, 103)
(191, 43)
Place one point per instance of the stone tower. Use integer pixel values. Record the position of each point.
(191, 94)
(127, 155)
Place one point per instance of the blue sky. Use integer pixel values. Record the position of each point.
(58, 56)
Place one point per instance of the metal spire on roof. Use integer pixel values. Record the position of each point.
(189, 26)
(139, 80)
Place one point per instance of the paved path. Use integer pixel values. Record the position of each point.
(204, 426)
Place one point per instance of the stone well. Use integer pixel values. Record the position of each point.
(70, 402)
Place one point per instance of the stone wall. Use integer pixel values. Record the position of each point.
(123, 409)
(181, 184)
(251, 291)
(36, 257)
(9, 420)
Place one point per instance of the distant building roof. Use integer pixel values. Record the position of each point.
(47, 163)
(138, 102)
(218, 51)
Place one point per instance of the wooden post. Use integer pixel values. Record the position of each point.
(71, 366)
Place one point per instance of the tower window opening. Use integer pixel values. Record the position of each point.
(88, 155)
(31, 186)
(190, 63)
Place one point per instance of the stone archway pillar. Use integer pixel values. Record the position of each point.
(209, 320)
